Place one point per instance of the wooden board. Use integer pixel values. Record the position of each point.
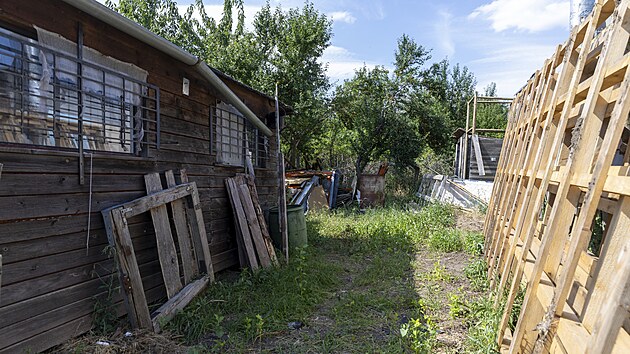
(178, 210)
(250, 223)
(261, 221)
(254, 226)
(241, 220)
(165, 244)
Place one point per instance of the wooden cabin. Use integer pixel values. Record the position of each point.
(90, 102)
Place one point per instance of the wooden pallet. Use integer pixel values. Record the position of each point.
(194, 254)
(556, 172)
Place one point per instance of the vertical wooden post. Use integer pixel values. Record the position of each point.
(474, 115)
(464, 175)
(282, 198)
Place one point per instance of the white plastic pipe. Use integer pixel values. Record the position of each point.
(133, 29)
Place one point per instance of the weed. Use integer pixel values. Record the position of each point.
(439, 274)
(446, 240)
(419, 335)
(457, 305)
(516, 307)
(477, 273)
(356, 277)
(473, 243)
(258, 302)
(483, 321)
(105, 318)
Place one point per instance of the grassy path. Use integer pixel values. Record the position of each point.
(387, 281)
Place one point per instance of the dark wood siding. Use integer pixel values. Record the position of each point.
(50, 277)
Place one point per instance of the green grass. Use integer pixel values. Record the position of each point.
(354, 288)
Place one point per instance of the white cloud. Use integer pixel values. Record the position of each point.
(342, 63)
(216, 12)
(342, 16)
(530, 15)
(510, 66)
(442, 30)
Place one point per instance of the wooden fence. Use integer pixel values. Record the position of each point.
(558, 225)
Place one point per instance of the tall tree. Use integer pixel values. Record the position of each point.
(293, 43)
(284, 48)
(375, 107)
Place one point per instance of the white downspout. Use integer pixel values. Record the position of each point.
(133, 29)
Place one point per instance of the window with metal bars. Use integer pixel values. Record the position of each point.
(235, 139)
(52, 96)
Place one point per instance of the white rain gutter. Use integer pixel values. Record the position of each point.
(133, 29)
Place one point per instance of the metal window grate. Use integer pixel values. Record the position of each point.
(49, 98)
(233, 136)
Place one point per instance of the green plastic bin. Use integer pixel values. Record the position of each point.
(296, 224)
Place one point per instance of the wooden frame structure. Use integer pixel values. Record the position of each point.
(469, 138)
(564, 171)
(192, 240)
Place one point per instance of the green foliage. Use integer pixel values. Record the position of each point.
(446, 240)
(473, 243)
(292, 44)
(483, 322)
(492, 115)
(439, 274)
(284, 48)
(258, 303)
(477, 273)
(419, 335)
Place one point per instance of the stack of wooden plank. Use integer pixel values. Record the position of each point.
(562, 175)
(255, 248)
(194, 255)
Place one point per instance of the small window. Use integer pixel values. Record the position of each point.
(50, 97)
(235, 139)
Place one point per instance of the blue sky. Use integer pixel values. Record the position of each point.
(502, 41)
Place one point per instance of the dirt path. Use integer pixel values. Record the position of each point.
(428, 285)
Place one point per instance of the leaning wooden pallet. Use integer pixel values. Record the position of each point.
(567, 164)
(191, 235)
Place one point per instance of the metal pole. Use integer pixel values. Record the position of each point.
(282, 197)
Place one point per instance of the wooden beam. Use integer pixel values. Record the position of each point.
(167, 254)
(177, 303)
(189, 264)
(241, 220)
(144, 204)
(254, 226)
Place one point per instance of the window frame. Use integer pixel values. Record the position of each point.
(137, 127)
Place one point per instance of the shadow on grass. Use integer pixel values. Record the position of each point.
(353, 289)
